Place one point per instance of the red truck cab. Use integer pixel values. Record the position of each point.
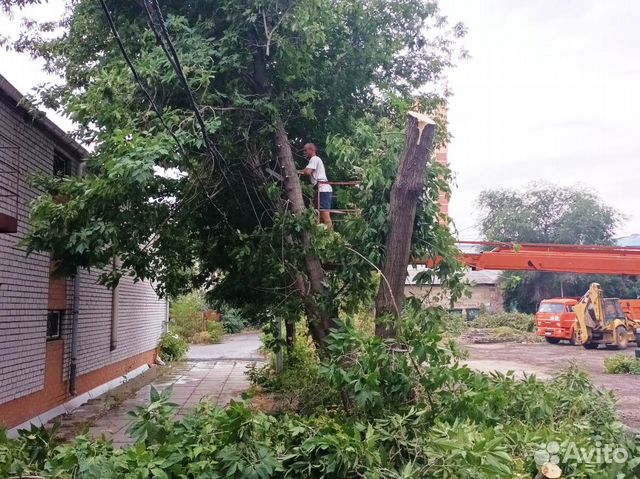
(556, 320)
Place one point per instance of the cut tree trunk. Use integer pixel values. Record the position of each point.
(405, 193)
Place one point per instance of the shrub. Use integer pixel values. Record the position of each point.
(233, 320)
(172, 347)
(519, 321)
(622, 364)
(299, 387)
(455, 324)
(203, 337)
(214, 329)
(186, 314)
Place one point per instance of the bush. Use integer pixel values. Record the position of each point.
(455, 324)
(203, 337)
(186, 314)
(519, 321)
(622, 364)
(214, 330)
(172, 347)
(233, 320)
(408, 412)
(299, 387)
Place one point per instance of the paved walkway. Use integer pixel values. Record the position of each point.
(211, 372)
(244, 346)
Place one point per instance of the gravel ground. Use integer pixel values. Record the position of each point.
(545, 360)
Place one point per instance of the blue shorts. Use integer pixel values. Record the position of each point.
(326, 198)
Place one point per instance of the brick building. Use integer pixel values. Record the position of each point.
(117, 330)
(485, 292)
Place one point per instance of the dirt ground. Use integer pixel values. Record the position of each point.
(544, 360)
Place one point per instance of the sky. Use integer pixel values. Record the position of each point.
(551, 92)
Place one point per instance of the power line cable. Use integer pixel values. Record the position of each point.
(155, 108)
(175, 61)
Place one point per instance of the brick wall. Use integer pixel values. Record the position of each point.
(32, 369)
(139, 317)
(23, 281)
(483, 296)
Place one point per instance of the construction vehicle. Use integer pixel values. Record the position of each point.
(601, 320)
(562, 258)
(555, 320)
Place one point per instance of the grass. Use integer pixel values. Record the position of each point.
(622, 364)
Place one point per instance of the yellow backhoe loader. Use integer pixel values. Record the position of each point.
(601, 320)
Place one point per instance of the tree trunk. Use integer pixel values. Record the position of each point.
(290, 327)
(319, 321)
(405, 193)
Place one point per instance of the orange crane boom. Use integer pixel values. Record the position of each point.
(555, 258)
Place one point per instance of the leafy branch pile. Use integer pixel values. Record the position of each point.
(494, 327)
(385, 413)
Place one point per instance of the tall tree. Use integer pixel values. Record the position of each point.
(548, 213)
(191, 106)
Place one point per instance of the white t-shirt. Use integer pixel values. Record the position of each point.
(318, 175)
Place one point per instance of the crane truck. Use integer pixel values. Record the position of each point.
(601, 320)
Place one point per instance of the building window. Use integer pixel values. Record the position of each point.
(54, 324)
(61, 165)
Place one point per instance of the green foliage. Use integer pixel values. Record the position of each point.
(517, 321)
(215, 330)
(233, 320)
(203, 337)
(508, 334)
(342, 74)
(621, 364)
(151, 423)
(299, 387)
(417, 418)
(548, 213)
(186, 314)
(172, 347)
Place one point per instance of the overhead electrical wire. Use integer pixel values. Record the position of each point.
(162, 36)
(167, 45)
(147, 95)
(155, 107)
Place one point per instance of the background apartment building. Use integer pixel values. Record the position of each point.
(118, 330)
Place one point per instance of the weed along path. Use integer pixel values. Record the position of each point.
(546, 360)
(213, 372)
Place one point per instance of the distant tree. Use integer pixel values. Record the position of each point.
(548, 213)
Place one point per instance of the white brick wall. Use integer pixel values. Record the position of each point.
(23, 281)
(24, 288)
(139, 322)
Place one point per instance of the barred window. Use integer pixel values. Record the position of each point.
(61, 165)
(54, 324)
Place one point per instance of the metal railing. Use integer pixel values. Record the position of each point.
(333, 210)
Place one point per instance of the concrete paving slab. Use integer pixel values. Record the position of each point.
(213, 373)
